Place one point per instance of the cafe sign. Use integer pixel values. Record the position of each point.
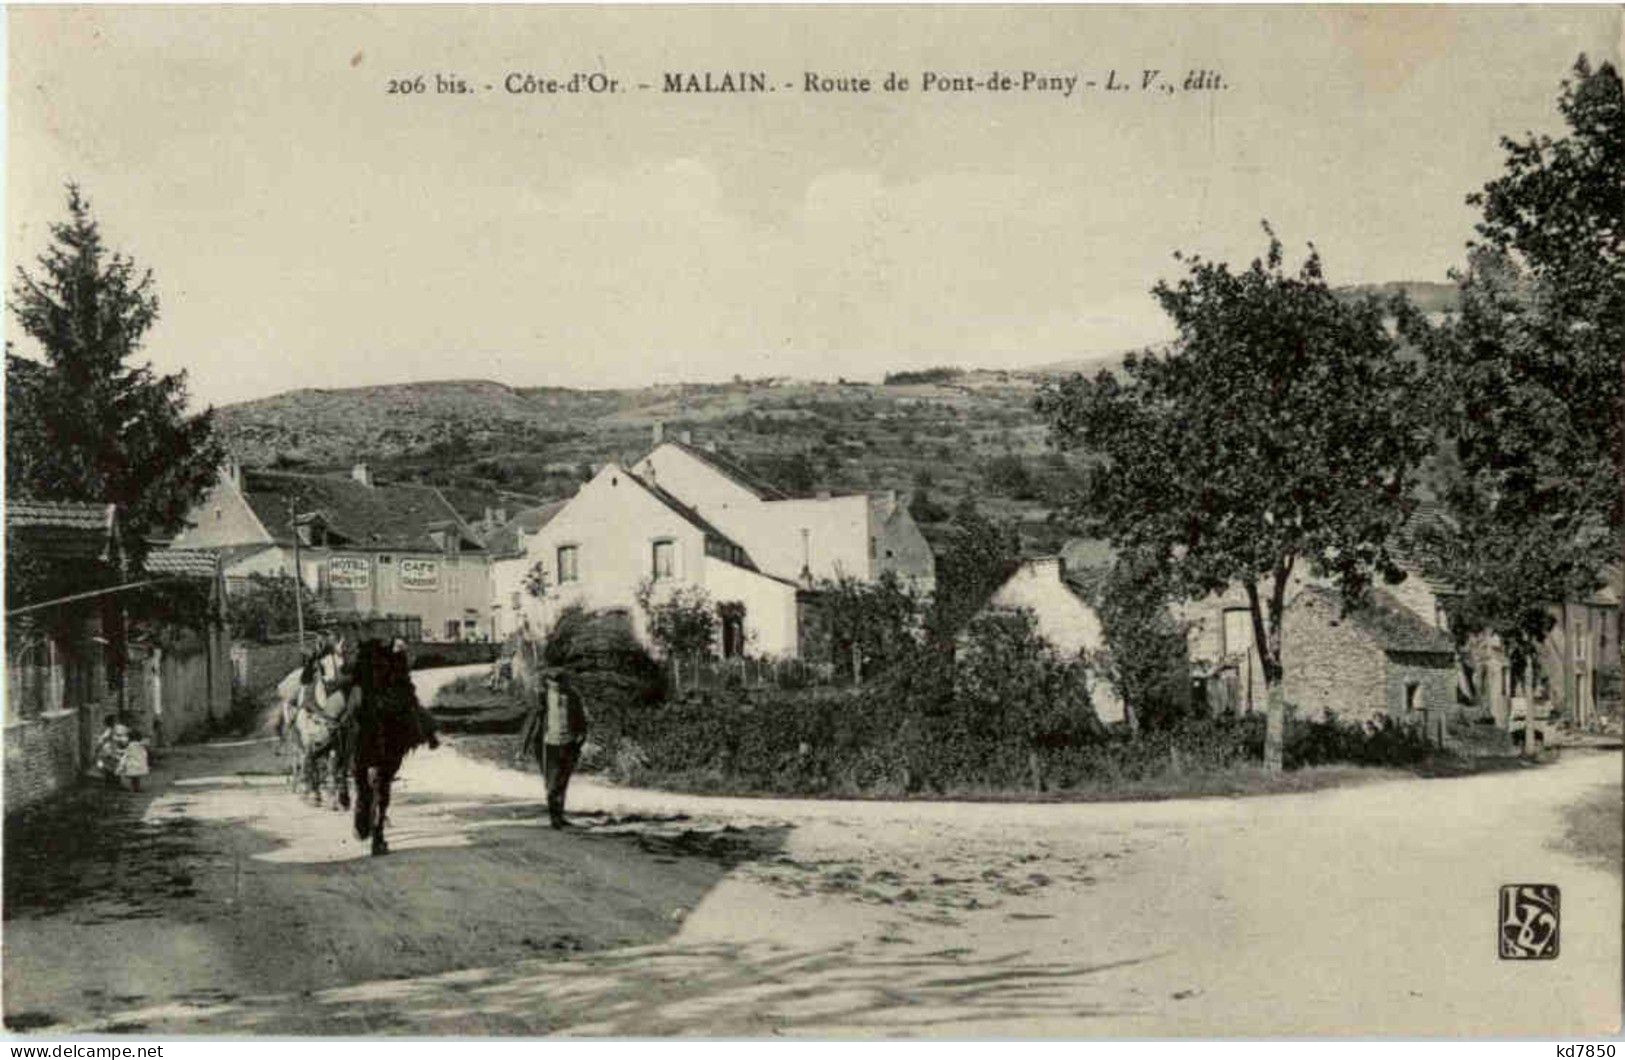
(420, 574)
(348, 572)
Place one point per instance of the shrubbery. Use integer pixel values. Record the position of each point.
(916, 733)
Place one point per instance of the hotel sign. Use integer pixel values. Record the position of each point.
(349, 572)
(420, 574)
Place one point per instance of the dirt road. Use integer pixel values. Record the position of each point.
(1368, 910)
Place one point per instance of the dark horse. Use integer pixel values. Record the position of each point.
(384, 725)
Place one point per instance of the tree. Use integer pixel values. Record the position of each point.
(86, 422)
(978, 554)
(1527, 380)
(604, 663)
(1145, 657)
(266, 606)
(1280, 429)
(1009, 681)
(682, 623)
(868, 626)
(1008, 474)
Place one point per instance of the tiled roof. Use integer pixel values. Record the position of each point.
(63, 530)
(1394, 626)
(181, 562)
(507, 539)
(67, 515)
(378, 516)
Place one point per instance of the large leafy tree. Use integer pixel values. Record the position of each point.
(975, 557)
(87, 421)
(1279, 431)
(1527, 376)
(1145, 656)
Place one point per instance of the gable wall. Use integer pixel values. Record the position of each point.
(223, 517)
(613, 522)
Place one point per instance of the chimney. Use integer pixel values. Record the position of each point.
(488, 523)
(361, 475)
(1047, 568)
(659, 432)
(687, 437)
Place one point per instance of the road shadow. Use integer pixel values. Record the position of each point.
(715, 990)
(220, 884)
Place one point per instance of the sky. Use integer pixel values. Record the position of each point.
(306, 228)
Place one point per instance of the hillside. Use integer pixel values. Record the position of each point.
(499, 446)
(940, 434)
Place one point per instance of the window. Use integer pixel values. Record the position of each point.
(568, 571)
(1413, 696)
(514, 601)
(664, 560)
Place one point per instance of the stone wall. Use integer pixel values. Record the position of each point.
(1434, 677)
(43, 755)
(1331, 664)
(256, 668)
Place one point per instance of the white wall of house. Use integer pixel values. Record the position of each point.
(1063, 619)
(613, 524)
(223, 517)
(276, 561)
(770, 607)
(827, 536)
(509, 599)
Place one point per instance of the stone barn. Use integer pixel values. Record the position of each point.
(1378, 659)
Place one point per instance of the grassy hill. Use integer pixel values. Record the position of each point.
(946, 433)
(492, 445)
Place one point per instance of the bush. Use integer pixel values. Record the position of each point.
(912, 733)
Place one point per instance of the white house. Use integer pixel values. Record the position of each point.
(684, 516)
(620, 531)
(1062, 617)
(805, 539)
(511, 564)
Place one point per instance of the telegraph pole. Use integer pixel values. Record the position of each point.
(298, 581)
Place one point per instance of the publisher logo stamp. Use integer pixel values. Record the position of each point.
(1529, 921)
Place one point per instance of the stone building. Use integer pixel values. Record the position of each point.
(1380, 658)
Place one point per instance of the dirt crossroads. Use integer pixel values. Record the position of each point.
(221, 905)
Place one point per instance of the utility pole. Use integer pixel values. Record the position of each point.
(298, 581)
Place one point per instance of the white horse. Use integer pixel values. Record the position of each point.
(311, 707)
